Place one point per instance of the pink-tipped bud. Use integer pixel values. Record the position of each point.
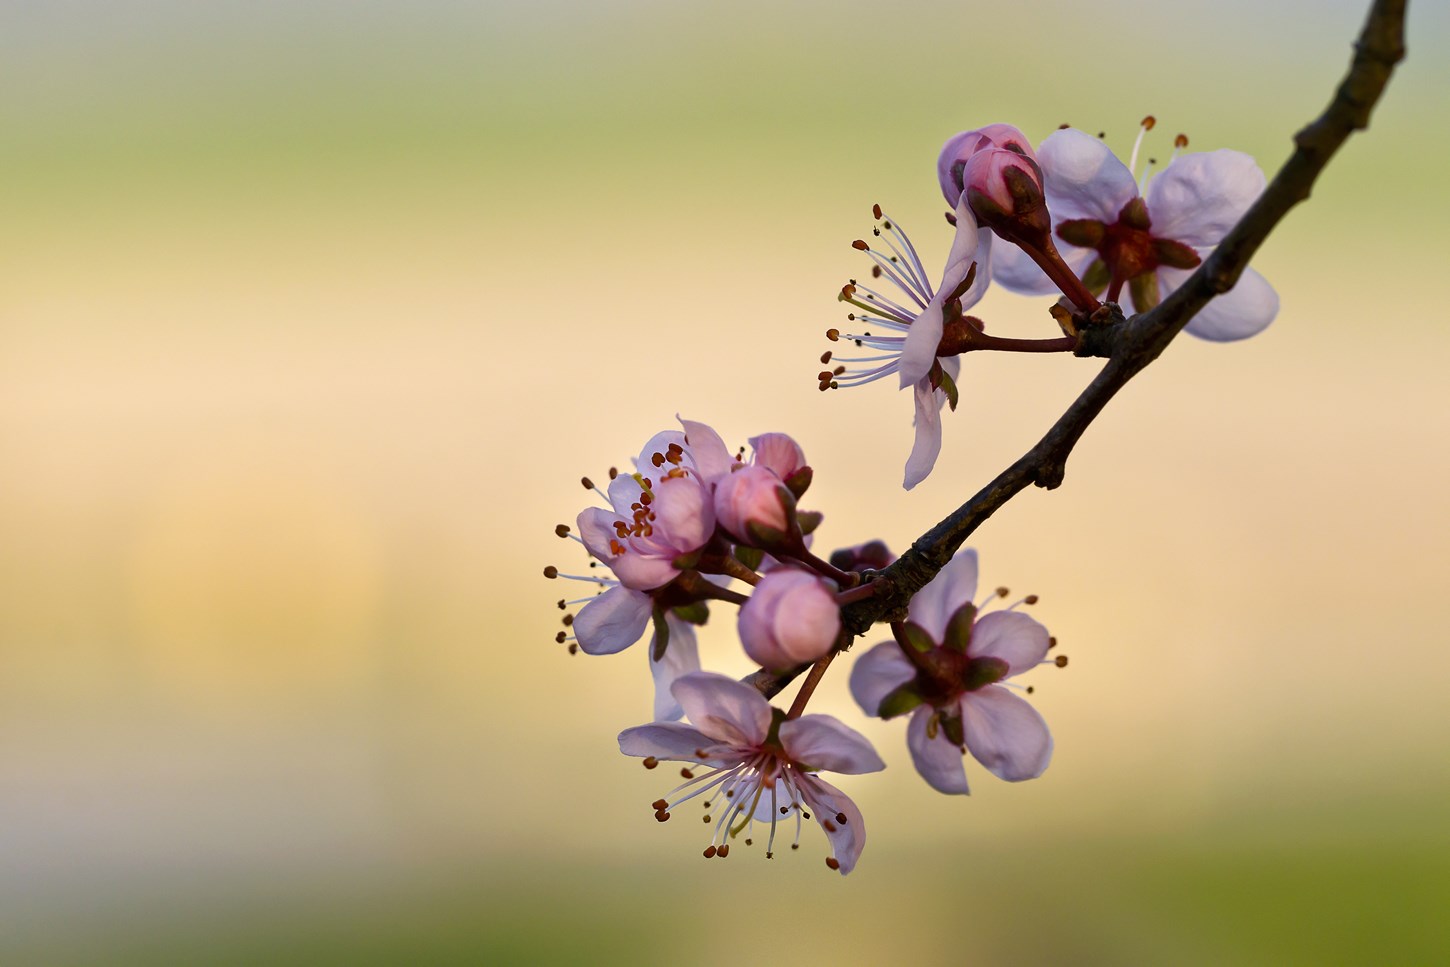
(960, 148)
(791, 619)
(1004, 190)
(754, 507)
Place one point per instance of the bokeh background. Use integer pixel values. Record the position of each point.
(312, 315)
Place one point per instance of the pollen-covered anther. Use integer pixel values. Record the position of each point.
(563, 604)
(1060, 661)
(568, 620)
(686, 774)
(560, 638)
(875, 211)
(833, 335)
(1181, 141)
(724, 850)
(710, 852)
(707, 817)
(1051, 643)
(657, 459)
(825, 357)
(841, 818)
(1148, 122)
(833, 863)
(562, 530)
(613, 472)
(661, 816)
(573, 647)
(649, 763)
(588, 484)
(1003, 592)
(1030, 599)
(860, 245)
(551, 572)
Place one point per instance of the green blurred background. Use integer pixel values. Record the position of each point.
(313, 315)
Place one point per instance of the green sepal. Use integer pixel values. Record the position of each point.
(951, 724)
(1083, 232)
(684, 562)
(761, 535)
(984, 671)
(949, 386)
(662, 635)
(751, 557)
(1145, 290)
(899, 701)
(798, 482)
(916, 636)
(959, 628)
(809, 520)
(1175, 254)
(696, 612)
(1097, 277)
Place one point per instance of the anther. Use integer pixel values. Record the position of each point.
(1063, 127)
(660, 805)
(795, 845)
(841, 818)
(838, 370)
(568, 620)
(750, 842)
(707, 817)
(860, 246)
(1148, 122)
(1030, 599)
(700, 754)
(1003, 592)
(661, 816)
(710, 852)
(657, 459)
(561, 637)
(833, 863)
(1060, 661)
(562, 530)
(952, 219)
(551, 572)
(1102, 134)
(686, 774)
(1030, 689)
(833, 334)
(825, 357)
(613, 472)
(824, 376)
(650, 762)
(876, 211)
(1051, 643)
(784, 810)
(724, 851)
(563, 604)
(1181, 141)
(876, 271)
(588, 484)
(573, 647)
(770, 856)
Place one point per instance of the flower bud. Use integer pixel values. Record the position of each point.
(755, 507)
(961, 147)
(1004, 189)
(791, 619)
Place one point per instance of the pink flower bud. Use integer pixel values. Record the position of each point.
(960, 148)
(1004, 189)
(753, 506)
(791, 618)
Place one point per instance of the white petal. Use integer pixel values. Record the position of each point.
(612, 621)
(624, 490)
(1082, 178)
(877, 674)
(778, 453)
(938, 761)
(824, 742)
(659, 443)
(926, 445)
(684, 513)
(830, 806)
(955, 585)
(724, 709)
(1012, 636)
(1199, 197)
(664, 740)
(919, 351)
(1005, 734)
(712, 458)
(682, 656)
(1243, 311)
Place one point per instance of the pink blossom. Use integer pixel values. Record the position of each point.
(753, 504)
(951, 162)
(952, 681)
(1143, 239)
(757, 766)
(905, 330)
(791, 619)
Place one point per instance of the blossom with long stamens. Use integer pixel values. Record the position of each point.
(948, 671)
(908, 327)
(757, 766)
(1141, 238)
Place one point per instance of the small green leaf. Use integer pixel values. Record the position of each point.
(662, 635)
(949, 385)
(751, 557)
(959, 628)
(951, 724)
(984, 671)
(809, 520)
(899, 701)
(696, 613)
(916, 636)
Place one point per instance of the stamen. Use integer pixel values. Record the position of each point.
(562, 530)
(649, 763)
(833, 863)
(1060, 661)
(551, 572)
(1144, 128)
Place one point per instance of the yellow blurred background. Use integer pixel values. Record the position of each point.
(313, 315)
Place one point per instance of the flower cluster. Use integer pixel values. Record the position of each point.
(694, 525)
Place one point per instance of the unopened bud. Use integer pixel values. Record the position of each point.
(791, 618)
(1004, 189)
(753, 504)
(960, 148)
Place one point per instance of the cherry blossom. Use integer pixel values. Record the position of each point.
(913, 323)
(791, 619)
(1142, 239)
(757, 766)
(950, 677)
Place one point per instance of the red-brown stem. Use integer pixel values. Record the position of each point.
(980, 340)
(1062, 276)
(818, 671)
(845, 579)
(860, 593)
(739, 571)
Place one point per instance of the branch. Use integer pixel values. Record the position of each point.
(1131, 344)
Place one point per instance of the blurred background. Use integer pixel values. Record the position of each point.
(312, 315)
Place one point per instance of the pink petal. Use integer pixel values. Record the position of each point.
(926, 445)
(712, 458)
(684, 514)
(625, 489)
(665, 740)
(612, 621)
(659, 443)
(596, 530)
(877, 674)
(825, 743)
(1005, 734)
(1082, 178)
(1012, 636)
(938, 761)
(682, 656)
(642, 573)
(955, 585)
(919, 351)
(724, 709)
(778, 453)
(1014, 270)
(829, 806)
(1199, 197)
(1243, 311)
